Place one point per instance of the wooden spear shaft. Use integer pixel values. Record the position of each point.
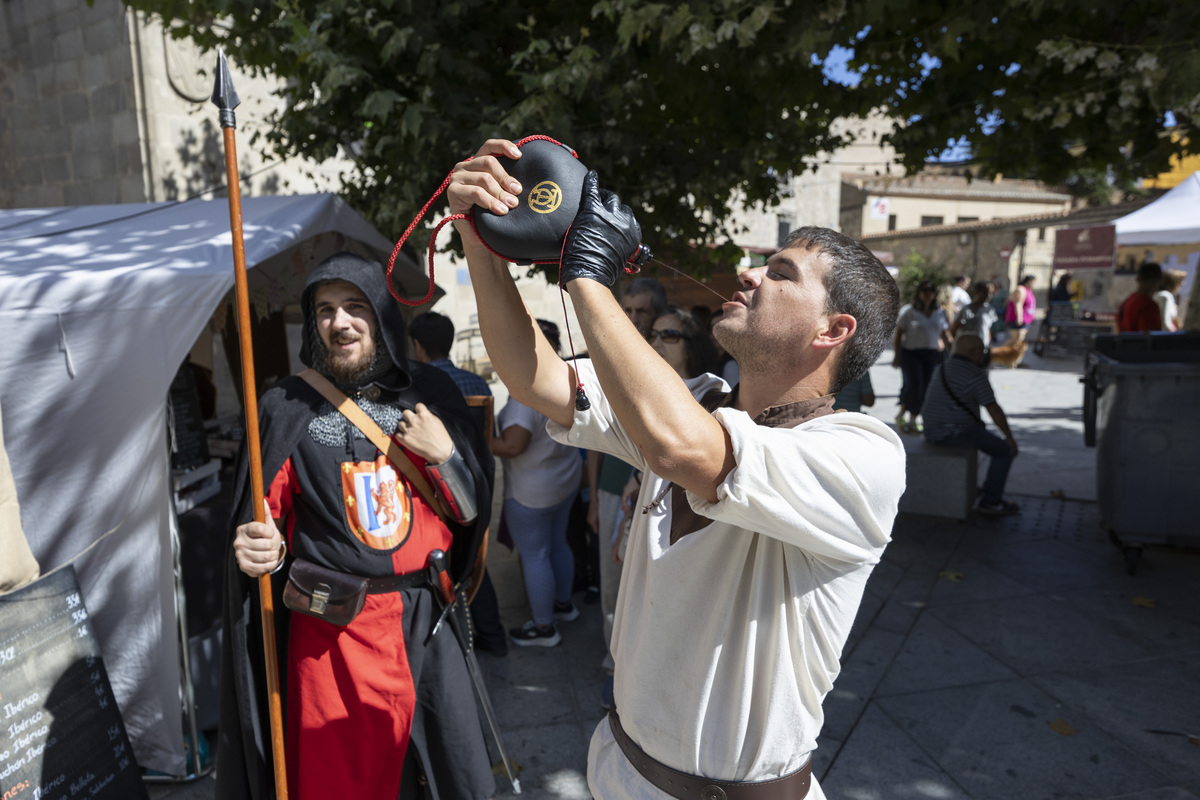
(226, 100)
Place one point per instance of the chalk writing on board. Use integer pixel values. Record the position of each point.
(61, 734)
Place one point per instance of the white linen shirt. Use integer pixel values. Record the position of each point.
(727, 641)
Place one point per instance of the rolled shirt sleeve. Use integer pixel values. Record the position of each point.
(784, 480)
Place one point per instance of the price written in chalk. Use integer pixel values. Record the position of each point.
(61, 735)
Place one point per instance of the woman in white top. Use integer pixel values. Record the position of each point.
(921, 333)
(1165, 297)
(541, 479)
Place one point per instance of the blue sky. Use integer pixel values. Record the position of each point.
(836, 69)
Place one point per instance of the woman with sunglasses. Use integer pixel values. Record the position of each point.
(678, 337)
(921, 332)
(685, 345)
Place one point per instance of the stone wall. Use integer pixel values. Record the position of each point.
(975, 253)
(69, 132)
(101, 106)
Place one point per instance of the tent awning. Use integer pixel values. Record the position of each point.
(1173, 218)
(99, 305)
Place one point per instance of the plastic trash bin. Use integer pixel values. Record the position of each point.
(1142, 414)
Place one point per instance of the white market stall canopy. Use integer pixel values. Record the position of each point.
(1173, 218)
(99, 305)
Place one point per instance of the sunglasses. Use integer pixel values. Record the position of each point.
(669, 336)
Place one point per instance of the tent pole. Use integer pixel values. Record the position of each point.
(226, 100)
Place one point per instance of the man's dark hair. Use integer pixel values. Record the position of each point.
(650, 286)
(981, 287)
(434, 332)
(857, 284)
(1149, 272)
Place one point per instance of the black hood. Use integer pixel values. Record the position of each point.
(370, 278)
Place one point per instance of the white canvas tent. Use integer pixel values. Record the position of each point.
(99, 305)
(1173, 218)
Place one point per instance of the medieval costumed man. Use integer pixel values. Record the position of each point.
(373, 704)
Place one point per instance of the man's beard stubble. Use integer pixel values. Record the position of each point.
(352, 373)
(743, 346)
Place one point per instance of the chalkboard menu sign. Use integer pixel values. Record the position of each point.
(189, 442)
(61, 735)
(1073, 340)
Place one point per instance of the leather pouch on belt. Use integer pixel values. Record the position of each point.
(324, 593)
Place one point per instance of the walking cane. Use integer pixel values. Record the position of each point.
(226, 100)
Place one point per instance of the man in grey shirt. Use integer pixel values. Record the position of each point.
(951, 412)
(978, 316)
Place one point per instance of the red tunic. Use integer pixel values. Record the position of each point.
(1139, 312)
(350, 693)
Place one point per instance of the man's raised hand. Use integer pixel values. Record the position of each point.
(603, 237)
(482, 181)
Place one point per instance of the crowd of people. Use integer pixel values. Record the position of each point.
(928, 326)
(942, 345)
(1154, 304)
(944, 342)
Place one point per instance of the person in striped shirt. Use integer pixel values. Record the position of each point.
(958, 388)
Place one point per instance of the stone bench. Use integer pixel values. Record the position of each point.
(941, 481)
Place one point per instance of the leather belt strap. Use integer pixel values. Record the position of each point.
(793, 786)
(397, 583)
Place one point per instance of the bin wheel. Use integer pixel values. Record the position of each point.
(1131, 552)
(1133, 555)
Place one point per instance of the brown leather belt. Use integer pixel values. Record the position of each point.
(397, 583)
(793, 786)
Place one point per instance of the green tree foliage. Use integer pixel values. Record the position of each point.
(1050, 89)
(687, 108)
(679, 107)
(916, 268)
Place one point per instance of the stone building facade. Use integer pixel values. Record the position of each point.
(813, 197)
(1004, 250)
(871, 204)
(102, 106)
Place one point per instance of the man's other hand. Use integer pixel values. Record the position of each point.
(603, 237)
(424, 434)
(258, 546)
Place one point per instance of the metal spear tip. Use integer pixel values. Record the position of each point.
(224, 95)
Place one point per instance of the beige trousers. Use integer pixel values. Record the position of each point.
(17, 564)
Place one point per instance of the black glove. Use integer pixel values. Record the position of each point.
(603, 237)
